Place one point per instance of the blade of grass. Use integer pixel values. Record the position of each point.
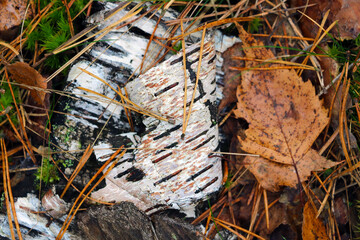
(276, 61)
(263, 213)
(255, 208)
(284, 37)
(332, 103)
(323, 204)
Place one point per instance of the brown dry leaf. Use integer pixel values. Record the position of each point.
(313, 228)
(271, 175)
(346, 12)
(12, 14)
(23, 73)
(285, 117)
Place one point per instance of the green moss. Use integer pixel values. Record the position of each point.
(47, 173)
(53, 30)
(67, 163)
(6, 100)
(254, 25)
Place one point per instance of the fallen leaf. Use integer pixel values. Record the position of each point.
(341, 211)
(23, 73)
(313, 228)
(271, 175)
(346, 12)
(285, 117)
(12, 14)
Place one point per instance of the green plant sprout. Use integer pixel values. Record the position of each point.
(68, 132)
(67, 163)
(254, 25)
(47, 173)
(228, 181)
(177, 47)
(2, 199)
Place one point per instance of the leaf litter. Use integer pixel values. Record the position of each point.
(24, 74)
(285, 117)
(276, 169)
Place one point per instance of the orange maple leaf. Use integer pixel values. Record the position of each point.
(285, 117)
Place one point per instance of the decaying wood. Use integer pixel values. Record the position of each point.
(153, 180)
(159, 178)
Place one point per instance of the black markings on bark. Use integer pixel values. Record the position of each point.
(149, 130)
(195, 50)
(127, 160)
(203, 143)
(162, 158)
(192, 74)
(212, 59)
(168, 177)
(192, 177)
(125, 172)
(195, 100)
(167, 133)
(215, 150)
(207, 185)
(169, 146)
(179, 59)
(139, 32)
(213, 111)
(197, 136)
(135, 175)
(166, 89)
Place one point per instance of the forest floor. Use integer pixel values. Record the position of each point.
(288, 116)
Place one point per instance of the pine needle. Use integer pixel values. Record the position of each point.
(185, 78)
(226, 224)
(78, 168)
(197, 80)
(8, 193)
